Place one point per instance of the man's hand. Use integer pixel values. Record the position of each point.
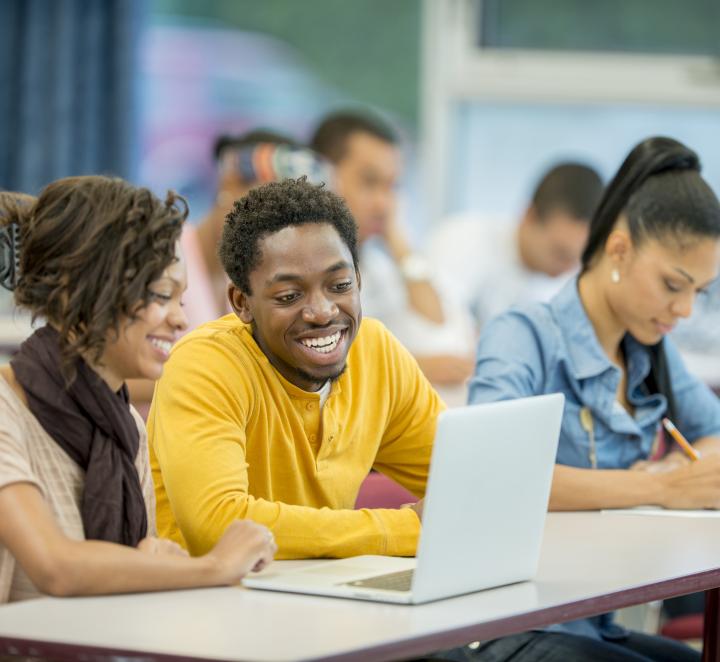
(396, 239)
(417, 507)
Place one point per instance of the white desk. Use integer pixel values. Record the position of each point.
(590, 563)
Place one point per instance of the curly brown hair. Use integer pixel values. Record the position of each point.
(89, 248)
(10, 201)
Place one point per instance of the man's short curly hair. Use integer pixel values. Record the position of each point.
(270, 208)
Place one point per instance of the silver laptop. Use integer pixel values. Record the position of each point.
(484, 514)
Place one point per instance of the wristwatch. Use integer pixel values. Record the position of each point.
(415, 267)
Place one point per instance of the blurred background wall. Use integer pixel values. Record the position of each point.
(69, 75)
(512, 85)
(234, 65)
(485, 92)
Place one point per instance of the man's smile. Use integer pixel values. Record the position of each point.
(324, 346)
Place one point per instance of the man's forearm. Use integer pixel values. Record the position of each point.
(424, 300)
(421, 294)
(301, 531)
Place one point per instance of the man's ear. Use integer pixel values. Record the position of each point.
(358, 277)
(239, 303)
(530, 217)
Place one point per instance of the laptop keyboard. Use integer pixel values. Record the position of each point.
(394, 581)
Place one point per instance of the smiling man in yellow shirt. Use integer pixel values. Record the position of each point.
(277, 412)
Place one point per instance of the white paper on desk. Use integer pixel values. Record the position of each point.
(662, 512)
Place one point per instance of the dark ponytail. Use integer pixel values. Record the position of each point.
(660, 192)
(659, 380)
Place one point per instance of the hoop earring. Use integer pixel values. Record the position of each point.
(615, 276)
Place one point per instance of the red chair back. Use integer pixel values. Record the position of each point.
(378, 491)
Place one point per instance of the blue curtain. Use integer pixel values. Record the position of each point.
(68, 89)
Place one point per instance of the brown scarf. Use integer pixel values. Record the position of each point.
(95, 428)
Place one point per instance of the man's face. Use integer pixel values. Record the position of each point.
(557, 242)
(305, 303)
(366, 177)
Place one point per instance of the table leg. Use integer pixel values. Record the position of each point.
(711, 645)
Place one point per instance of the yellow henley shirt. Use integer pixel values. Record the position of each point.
(231, 438)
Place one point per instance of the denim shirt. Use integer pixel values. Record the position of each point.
(552, 347)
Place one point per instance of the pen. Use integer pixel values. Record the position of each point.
(681, 441)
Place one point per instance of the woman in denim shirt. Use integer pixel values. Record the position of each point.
(654, 246)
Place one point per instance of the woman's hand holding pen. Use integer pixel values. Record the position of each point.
(670, 462)
(694, 485)
(684, 454)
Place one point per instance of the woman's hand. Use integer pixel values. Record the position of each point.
(693, 485)
(670, 462)
(152, 545)
(244, 547)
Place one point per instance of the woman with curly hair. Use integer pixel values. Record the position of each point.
(97, 260)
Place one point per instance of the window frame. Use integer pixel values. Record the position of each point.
(456, 70)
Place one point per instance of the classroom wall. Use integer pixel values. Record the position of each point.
(512, 86)
(226, 67)
(367, 50)
(194, 68)
(68, 73)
